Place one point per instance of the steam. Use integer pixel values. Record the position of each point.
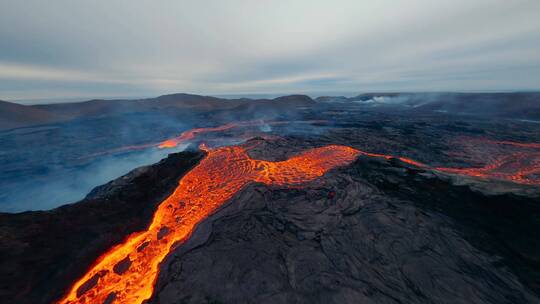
(46, 192)
(265, 128)
(48, 166)
(406, 101)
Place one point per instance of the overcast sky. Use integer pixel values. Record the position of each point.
(72, 49)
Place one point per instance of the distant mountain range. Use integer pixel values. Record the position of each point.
(13, 115)
(518, 105)
(508, 105)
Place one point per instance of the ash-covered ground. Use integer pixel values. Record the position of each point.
(380, 230)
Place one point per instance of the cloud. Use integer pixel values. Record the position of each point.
(238, 46)
(13, 71)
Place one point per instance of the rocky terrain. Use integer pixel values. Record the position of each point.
(395, 226)
(14, 115)
(42, 252)
(378, 231)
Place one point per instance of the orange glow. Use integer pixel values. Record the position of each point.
(191, 134)
(513, 143)
(168, 144)
(127, 272)
(412, 162)
(204, 147)
(512, 161)
(522, 168)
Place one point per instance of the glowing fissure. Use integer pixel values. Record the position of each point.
(522, 168)
(191, 134)
(512, 161)
(127, 272)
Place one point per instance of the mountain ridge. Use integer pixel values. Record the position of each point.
(13, 115)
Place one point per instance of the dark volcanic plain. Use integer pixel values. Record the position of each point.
(376, 231)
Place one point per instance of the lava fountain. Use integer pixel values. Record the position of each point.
(127, 272)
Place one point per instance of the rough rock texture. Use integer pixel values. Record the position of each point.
(377, 231)
(42, 253)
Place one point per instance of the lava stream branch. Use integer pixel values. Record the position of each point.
(191, 134)
(127, 272)
(521, 168)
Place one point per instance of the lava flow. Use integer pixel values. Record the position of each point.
(127, 272)
(504, 160)
(191, 134)
(523, 168)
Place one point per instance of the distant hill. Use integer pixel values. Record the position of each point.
(519, 105)
(505, 105)
(14, 115)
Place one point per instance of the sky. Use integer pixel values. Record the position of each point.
(62, 49)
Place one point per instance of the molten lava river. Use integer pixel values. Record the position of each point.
(127, 272)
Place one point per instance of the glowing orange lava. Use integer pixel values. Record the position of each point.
(504, 160)
(522, 168)
(127, 272)
(191, 134)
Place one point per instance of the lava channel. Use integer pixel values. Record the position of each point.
(191, 134)
(521, 168)
(127, 272)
